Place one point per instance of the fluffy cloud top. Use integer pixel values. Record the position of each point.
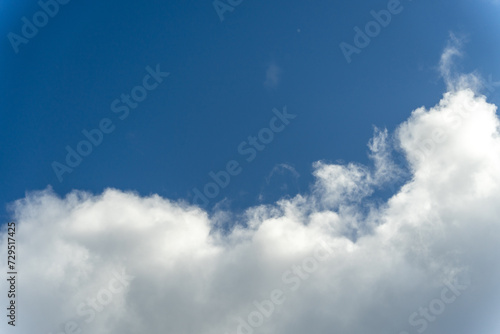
(328, 261)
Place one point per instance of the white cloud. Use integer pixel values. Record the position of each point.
(273, 74)
(281, 181)
(282, 168)
(386, 263)
(454, 79)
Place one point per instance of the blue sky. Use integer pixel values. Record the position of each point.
(334, 161)
(65, 78)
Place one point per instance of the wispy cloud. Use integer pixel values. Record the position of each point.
(280, 168)
(454, 79)
(273, 74)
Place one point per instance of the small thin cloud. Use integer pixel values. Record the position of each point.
(455, 80)
(282, 178)
(281, 168)
(273, 74)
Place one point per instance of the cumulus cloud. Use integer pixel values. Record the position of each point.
(329, 260)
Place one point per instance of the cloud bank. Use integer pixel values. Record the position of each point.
(331, 260)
